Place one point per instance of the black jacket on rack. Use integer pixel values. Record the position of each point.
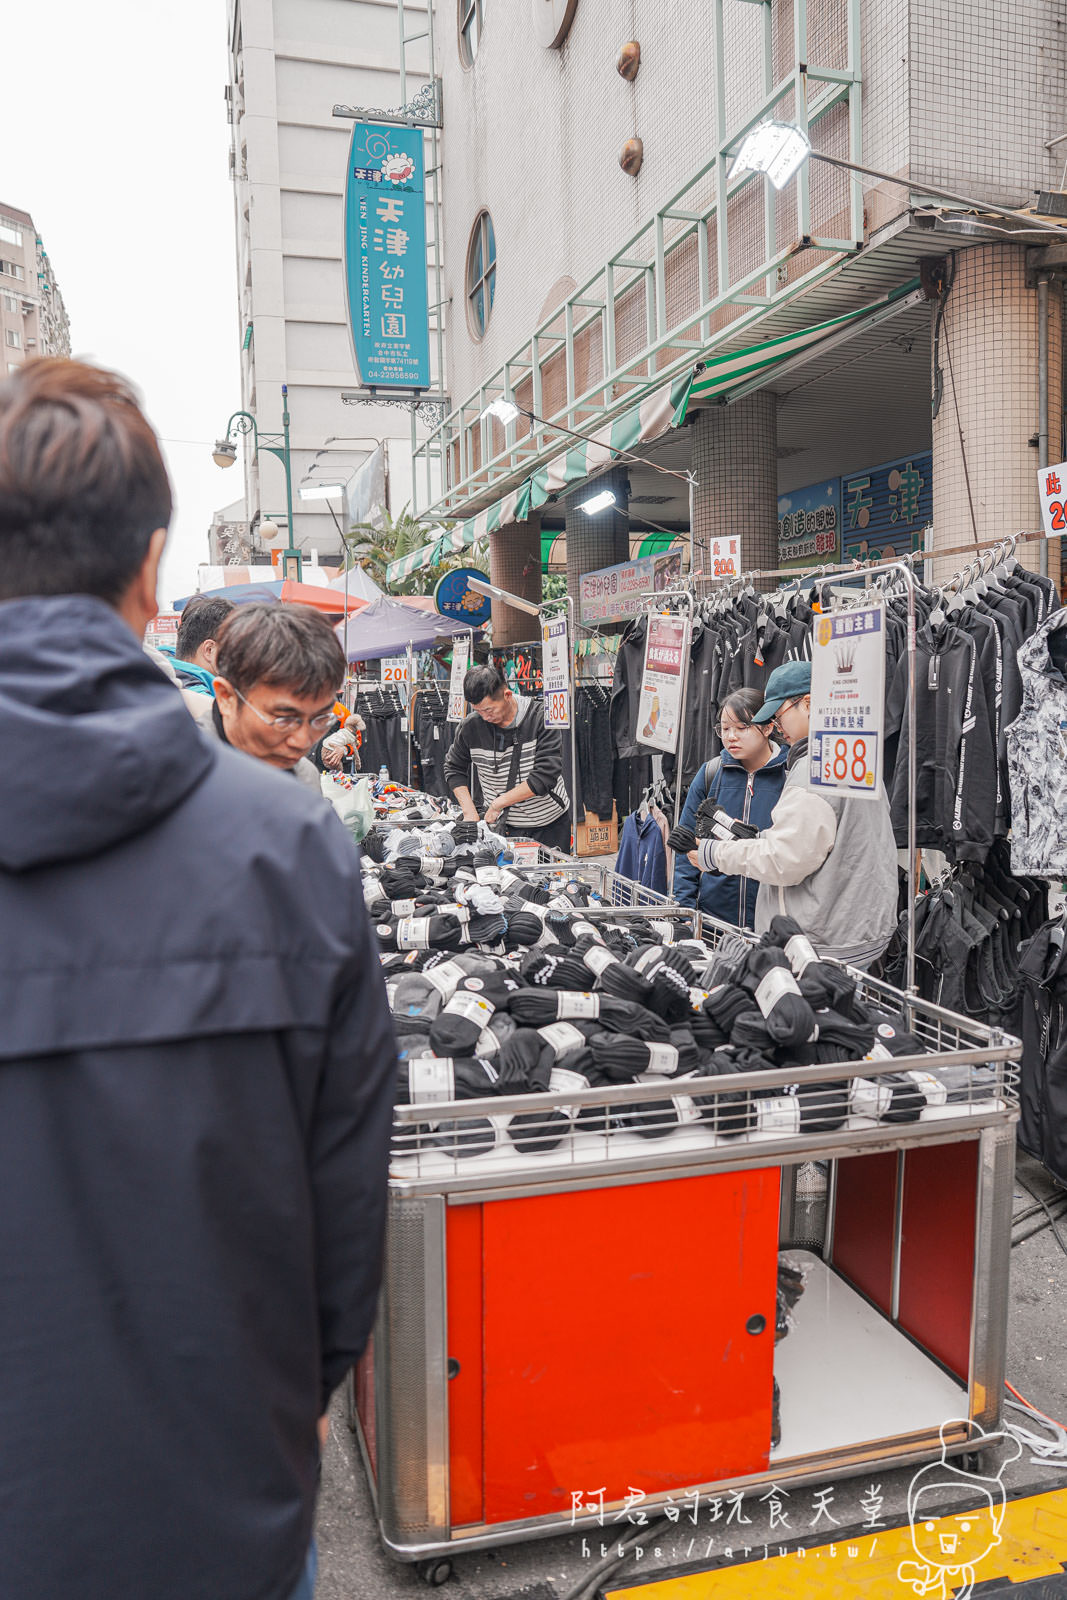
(1041, 1023)
(956, 765)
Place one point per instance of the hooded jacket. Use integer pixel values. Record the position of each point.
(749, 797)
(828, 861)
(196, 1084)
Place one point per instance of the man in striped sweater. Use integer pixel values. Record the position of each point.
(505, 755)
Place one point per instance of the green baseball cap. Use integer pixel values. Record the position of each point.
(787, 682)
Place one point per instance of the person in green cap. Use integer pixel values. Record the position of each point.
(829, 861)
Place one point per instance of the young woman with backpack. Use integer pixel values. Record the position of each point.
(746, 781)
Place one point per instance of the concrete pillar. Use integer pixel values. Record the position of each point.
(515, 565)
(735, 462)
(988, 356)
(602, 540)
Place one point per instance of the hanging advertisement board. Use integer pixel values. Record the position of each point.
(659, 711)
(1052, 490)
(847, 731)
(385, 257)
(725, 555)
(809, 525)
(457, 705)
(616, 594)
(555, 668)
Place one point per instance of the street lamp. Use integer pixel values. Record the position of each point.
(225, 454)
(780, 148)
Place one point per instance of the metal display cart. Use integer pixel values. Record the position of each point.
(595, 1314)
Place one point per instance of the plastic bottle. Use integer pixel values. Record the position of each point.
(383, 774)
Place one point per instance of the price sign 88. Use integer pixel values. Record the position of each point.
(848, 760)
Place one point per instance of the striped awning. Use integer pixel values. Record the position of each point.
(736, 367)
(648, 420)
(653, 417)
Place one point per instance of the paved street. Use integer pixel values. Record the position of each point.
(353, 1565)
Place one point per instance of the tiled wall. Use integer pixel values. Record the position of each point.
(735, 462)
(988, 88)
(989, 345)
(515, 565)
(601, 540)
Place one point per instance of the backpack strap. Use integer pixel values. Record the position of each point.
(713, 774)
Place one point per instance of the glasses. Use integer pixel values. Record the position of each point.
(723, 728)
(286, 723)
(786, 705)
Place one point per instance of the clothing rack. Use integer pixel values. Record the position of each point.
(803, 575)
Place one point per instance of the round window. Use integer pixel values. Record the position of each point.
(481, 274)
(470, 29)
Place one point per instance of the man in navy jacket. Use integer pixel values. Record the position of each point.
(196, 1066)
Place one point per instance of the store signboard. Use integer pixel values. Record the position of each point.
(385, 257)
(455, 598)
(457, 705)
(1052, 490)
(847, 731)
(885, 509)
(555, 669)
(725, 556)
(163, 630)
(809, 525)
(659, 711)
(617, 594)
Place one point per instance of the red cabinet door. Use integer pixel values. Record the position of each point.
(615, 1355)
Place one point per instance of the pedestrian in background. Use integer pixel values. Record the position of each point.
(196, 647)
(196, 1065)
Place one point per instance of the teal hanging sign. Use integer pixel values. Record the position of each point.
(385, 257)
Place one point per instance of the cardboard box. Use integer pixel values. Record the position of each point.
(596, 837)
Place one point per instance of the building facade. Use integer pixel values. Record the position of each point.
(291, 61)
(599, 248)
(33, 318)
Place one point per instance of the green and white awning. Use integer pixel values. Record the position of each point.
(648, 420)
(722, 373)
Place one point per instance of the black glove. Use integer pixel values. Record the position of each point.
(681, 839)
(715, 823)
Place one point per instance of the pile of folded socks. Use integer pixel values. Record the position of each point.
(501, 985)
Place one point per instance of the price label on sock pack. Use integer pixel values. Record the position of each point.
(846, 742)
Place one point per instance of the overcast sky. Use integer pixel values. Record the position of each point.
(113, 135)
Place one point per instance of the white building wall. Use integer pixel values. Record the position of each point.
(988, 88)
(291, 61)
(534, 135)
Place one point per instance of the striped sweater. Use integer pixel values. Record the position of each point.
(480, 758)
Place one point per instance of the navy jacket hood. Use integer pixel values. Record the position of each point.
(100, 741)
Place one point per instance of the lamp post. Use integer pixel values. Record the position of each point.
(225, 454)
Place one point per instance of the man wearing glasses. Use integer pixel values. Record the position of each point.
(278, 672)
(829, 861)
